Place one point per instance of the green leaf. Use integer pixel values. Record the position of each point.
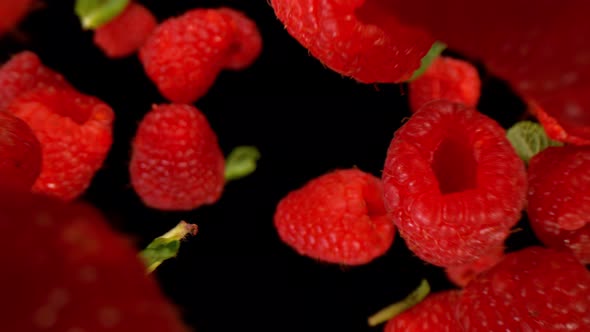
(397, 308)
(529, 138)
(166, 246)
(95, 13)
(436, 49)
(241, 162)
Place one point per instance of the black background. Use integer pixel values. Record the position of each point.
(306, 120)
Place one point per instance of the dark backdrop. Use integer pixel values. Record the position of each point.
(236, 274)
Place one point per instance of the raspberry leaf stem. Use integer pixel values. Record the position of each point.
(241, 162)
(529, 138)
(95, 13)
(397, 308)
(166, 246)
(436, 49)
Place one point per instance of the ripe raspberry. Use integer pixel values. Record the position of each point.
(75, 132)
(69, 271)
(20, 153)
(534, 289)
(126, 33)
(176, 162)
(24, 72)
(355, 38)
(462, 274)
(453, 184)
(559, 198)
(337, 218)
(11, 12)
(574, 131)
(247, 44)
(435, 314)
(449, 79)
(184, 55)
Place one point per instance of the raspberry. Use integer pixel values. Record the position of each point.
(176, 162)
(75, 132)
(337, 218)
(126, 33)
(358, 39)
(247, 43)
(446, 78)
(11, 12)
(20, 153)
(435, 314)
(461, 275)
(559, 198)
(24, 72)
(534, 289)
(70, 271)
(575, 131)
(453, 184)
(184, 55)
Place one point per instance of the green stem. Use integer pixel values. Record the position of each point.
(241, 162)
(436, 49)
(397, 308)
(95, 13)
(166, 246)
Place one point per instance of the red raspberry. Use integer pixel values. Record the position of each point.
(20, 153)
(559, 198)
(446, 78)
(184, 55)
(337, 218)
(247, 43)
(356, 38)
(75, 132)
(176, 162)
(534, 289)
(453, 184)
(574, 131)
(24, 72)
(11, 12)
(126, 33)
(435, 314)
(462, 274)
(69, 271)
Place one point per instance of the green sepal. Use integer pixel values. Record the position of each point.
(241, 162)
(95, 13)
(436, 50)
(529, 138)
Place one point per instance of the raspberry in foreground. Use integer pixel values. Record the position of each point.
(20, 154)
(176, 161)
(462, 274)
(247, 43)
(534, 289)
(338, 217)
(185, 54)
(559, 198)
(127, 32)
(359, 39)
(449, 79)
(69, 271)
(75, 132)
(453, 184)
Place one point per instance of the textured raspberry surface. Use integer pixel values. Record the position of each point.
(449, 79)
(559, 198)
(356, 38)
(247, 41)
(453, 184)
(75, 132)
(125, 34)
(74, 271)
(176, 162)
(462, 274)
(11, 12)
(184, 55)
(534, 289)
(541, 49)
(436, 313)
(24, 72)
(338, 217)
(20, 153)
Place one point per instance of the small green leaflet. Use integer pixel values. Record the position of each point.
(528, 138)
(397, 308)
(95, 13)
(241, 162)
(166, 246)
(436, 49)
